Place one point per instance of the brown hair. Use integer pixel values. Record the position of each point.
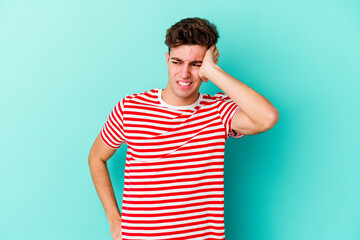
(192, 31)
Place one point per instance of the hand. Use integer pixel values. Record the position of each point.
(210, 59)
(115, 229)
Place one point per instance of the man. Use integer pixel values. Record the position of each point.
(173, 186)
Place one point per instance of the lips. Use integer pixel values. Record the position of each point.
(184, 84)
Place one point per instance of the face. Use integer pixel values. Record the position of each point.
(184, 82)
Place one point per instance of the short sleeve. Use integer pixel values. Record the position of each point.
(227, 109)
(112, 132)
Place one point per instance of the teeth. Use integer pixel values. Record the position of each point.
(184, 84)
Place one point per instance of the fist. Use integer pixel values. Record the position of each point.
(115, 229)
(211, 58)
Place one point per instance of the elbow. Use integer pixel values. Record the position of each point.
(92, 157)
(273, 118)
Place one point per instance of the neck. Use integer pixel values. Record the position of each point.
(172, 99)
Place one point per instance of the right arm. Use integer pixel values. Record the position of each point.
(99, 154)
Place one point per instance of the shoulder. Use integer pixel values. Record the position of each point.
(146, 96)
(220, 96)
(216, 98)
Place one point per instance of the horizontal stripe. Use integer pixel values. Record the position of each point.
(174, 167)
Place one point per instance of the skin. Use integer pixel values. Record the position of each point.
(195, 64)
(256, 113)
(99, 154)
(183, 63)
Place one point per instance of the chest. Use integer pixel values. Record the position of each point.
(156, 125)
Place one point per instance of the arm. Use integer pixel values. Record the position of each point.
(256, 113)
(98, 156)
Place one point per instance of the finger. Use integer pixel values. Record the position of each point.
(216, 55)
(215, 50)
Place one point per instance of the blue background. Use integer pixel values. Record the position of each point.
(65, 64)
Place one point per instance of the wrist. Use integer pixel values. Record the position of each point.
(212, 69)
(113, 219)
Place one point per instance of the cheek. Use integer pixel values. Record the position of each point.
(195, 73)
(173, 71)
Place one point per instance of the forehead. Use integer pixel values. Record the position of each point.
(188, 52)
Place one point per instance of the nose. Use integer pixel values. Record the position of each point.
(185, 71)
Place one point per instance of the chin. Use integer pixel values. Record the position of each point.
(187, 94)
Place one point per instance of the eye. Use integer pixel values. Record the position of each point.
(197, 65)
(175, 62)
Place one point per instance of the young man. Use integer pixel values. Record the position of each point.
(173, 186)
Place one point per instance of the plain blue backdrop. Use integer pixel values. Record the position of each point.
(65, 64)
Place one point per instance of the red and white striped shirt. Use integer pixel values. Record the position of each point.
(174, 170)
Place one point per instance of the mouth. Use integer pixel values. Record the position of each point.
(184, 85)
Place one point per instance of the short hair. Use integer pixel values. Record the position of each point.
(192, 31)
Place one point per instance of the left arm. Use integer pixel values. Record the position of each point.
(256, 113)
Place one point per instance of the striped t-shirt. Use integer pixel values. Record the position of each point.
(174, 170)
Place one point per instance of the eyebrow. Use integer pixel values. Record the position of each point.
(178, 59)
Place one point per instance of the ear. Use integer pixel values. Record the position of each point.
(167, 56)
